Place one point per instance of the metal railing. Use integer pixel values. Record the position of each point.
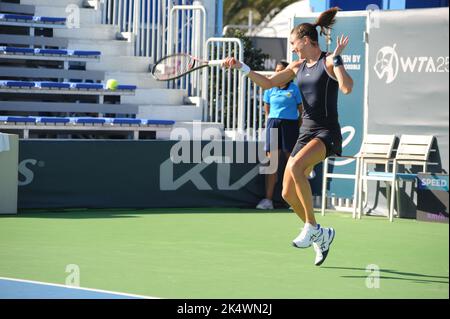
(229, 97)
(187, 34)
(254, 118)
(222, 87)
(161, 27)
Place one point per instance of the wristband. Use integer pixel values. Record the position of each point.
(245, 68)
(337, 61)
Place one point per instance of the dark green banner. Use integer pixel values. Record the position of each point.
(139, 174)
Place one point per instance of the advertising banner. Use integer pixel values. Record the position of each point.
(409, 77)
(139, 174)
(408, 91)
(433, 198)
(275, 48)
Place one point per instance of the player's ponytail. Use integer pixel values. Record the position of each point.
(326, 20)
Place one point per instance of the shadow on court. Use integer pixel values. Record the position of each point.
(73, 215)
(384, 274)
(133, 213)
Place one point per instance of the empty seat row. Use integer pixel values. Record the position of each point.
(20, 120)
(45, 52)
(27, 85)
(21, 18)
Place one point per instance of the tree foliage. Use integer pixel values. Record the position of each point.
(237, 11)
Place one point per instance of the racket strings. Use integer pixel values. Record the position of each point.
(173, 67)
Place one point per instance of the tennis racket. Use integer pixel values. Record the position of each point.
(175, 66)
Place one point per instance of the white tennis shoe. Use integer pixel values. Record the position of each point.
(307, 236)
(265, 204)
(322, 246)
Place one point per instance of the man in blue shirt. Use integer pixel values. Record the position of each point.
(283, 107)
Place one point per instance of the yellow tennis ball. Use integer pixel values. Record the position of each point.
(112, 84)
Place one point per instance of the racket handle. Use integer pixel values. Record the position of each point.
(216, 62)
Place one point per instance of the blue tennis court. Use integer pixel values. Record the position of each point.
(24, 289)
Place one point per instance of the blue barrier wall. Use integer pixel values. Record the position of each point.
(139, 174)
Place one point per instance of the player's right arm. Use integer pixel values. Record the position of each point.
(278, 79)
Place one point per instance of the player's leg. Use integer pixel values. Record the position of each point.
(290, 194)
(311, 154)
(291, 142)
(308, 233)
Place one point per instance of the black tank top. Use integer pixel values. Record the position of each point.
(319, 93)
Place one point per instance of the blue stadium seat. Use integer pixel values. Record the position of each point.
(75, 53)
(53, 120)
(50, 19)
(127, 87)
(15, 84)
(20, 119)
(88, 86)
(61, 85)
(88, 124)
(31, 18)
(160, 122)
(85, 53)
(51, 51)
(16, 50)
(84, 120)
(127, 121)
(54, 85)
(90, 120)
(16, 17)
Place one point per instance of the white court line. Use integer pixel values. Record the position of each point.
(77, 288)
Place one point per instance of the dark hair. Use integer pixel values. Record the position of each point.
(284, 63)
(325, 21)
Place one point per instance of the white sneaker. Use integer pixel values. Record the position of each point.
(308, 235)
(322, 246)
(265, 204)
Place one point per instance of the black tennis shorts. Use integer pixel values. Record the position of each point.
(288, 131)
(330, 135)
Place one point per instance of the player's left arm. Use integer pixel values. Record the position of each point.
(336, 67)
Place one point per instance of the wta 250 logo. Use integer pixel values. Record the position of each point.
(388, 64)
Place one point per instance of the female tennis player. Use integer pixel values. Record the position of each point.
(319, 76)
